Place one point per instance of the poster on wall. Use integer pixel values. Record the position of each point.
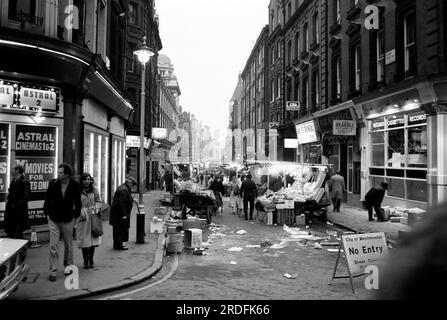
(36, 148)
(4, 152)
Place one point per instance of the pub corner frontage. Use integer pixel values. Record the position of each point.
(66, 108)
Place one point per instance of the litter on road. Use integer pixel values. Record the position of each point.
(294, 231)
(241, 232)
(233, 262)
(266, 244)
(318, 246)
(279, 245)
(334, 250)
(253, 246)
(291, 276)
(235, 249)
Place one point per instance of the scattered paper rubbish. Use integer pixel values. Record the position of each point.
(318, 246)
(252, 222)
(290, 276)
(266, 244)
(253, 246)
(334, 250)
(212, 224)
(265, 250)
(279, 245)
(329, 223)
(235, 249)
(233, 262)
(294, 231)
(241, 232)
(307, 227)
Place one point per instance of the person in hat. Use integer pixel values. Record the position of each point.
(120, 213)
(373, 199)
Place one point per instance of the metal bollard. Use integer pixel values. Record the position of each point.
(140, 223)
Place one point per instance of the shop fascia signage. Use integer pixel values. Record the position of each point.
(292, 106)
(344, 128)
(400, 120)
(134, 142)
(159, 133)
(306, 132)
(20, 96)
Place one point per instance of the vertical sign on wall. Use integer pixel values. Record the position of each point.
(4, 153)
(36, 150)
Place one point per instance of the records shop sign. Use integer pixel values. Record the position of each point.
(4, 150)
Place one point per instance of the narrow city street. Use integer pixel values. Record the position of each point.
(258, 272)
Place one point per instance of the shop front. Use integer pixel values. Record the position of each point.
(66, 108)
(133, 158)
(340, 146)
(30, 139)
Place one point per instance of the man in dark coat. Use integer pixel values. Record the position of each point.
(120, 213)
(218, 190)
(249, 193)
(373, 199)
(16, 211)
(62, 206)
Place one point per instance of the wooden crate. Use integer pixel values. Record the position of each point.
(286, 216)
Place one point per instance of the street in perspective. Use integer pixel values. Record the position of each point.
(247, 151)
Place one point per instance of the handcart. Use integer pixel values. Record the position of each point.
(201, 204)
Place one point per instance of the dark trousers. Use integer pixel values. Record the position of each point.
(120, 235)
(336, 202)
(252, 206)
(377, 209)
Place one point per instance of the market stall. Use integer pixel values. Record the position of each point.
(306, 195)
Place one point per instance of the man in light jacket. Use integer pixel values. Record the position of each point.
(337, 187)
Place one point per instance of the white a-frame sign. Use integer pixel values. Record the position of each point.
(361, 250)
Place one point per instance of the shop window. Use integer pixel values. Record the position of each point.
(396, 148)
(406, 154)
(396, 188)
(417, 190)
(96, 157)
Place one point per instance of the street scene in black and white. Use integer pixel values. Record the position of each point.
(239, 150)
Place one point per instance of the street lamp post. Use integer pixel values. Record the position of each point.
(143, 55)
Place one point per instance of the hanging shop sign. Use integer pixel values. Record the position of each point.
(6, 95)
(21, 96)
(390, 57)
(290, 143)
(159, 133)
(344, 128)
(292, 106)
(306, 132)
(36, 151)
(134, 142)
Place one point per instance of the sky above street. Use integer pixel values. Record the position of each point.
(209, 42)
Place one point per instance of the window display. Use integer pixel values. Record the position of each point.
(405, 137)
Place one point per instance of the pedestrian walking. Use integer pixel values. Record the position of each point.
(373, 199)
(62, 206)
(234, 191)
(169, 181)
(249, 194)
(91, 205)
(120, 214)
(218, 190)
(239, 202)
(337, 188)
(16, 210)
(201, 179)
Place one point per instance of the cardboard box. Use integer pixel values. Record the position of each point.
(203, 223)
(192, 224)
(193, 238)
(157, 226)
(300, 220)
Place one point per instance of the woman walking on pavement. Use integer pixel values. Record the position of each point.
(234, 191)
(91, 204)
